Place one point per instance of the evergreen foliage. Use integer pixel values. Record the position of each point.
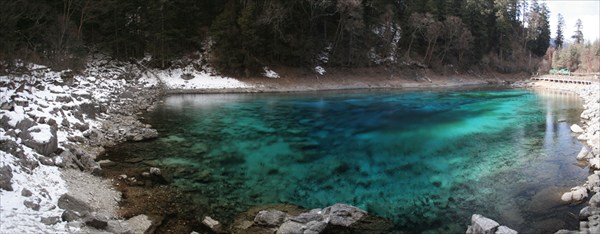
(559, 40)
(578, 34)
(248, 34)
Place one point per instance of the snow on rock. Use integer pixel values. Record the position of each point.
(41, 138)
(41, 111)
(34, 197)
(270, 73)
(319, 70)
(41, 133)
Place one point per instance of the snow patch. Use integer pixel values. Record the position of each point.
(15, 116)
(270, 73)
(46, 187)
(41, 133)
(202, 80)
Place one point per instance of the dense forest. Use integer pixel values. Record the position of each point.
(242, 36)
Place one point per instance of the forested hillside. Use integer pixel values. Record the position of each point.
(242, 36)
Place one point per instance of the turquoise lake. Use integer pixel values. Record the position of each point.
(426, 160)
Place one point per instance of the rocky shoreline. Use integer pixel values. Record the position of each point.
(588, 132)
(55, 119)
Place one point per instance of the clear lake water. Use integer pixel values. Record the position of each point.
(426, 160)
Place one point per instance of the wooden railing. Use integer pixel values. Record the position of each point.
(587, 80)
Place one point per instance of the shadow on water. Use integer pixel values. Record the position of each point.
(425, 160)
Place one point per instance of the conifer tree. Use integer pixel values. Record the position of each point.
(578, 34)
(559, 40)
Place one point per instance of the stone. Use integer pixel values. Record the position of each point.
(593, 180)
(187, 76)
(483, 225)
(97, 220)
(579, 193)
(59, 161)
(307, 217)
(33, 204)
(563, 231)
(155, 171)
(595, 201)
(139, 224)
(567, 197)
(119, 227)
(68, 202)
(5, 178)
(595, 163)
(26, 193)
(214, 225)
(106, 163)
(69, 216)
(42, 147)
(25, 124)
(291, 227)
(50, 220)
(576, 129)
(46, 161)
(314, 227)
(505, 230)
(343, 215)
(586, 212)
(89, 109)
(269, 218)
(583, 154)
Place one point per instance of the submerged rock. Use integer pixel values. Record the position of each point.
(214, 225)
(505, 230)
(343, 215)
(482, 225)
(583, 154)
(269, 218)
(338, 218)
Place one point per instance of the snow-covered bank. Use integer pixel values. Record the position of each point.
(53, 125)
(51, 120)
(191, 74)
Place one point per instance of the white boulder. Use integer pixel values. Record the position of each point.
(482, 225)
(576, 129)
(583, 154)
(595, 163)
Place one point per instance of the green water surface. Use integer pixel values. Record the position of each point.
(425, 160)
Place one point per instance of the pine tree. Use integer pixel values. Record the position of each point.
(578, 35)
(559, 31)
